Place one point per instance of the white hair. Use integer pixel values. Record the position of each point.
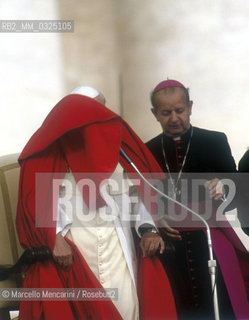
(90, 92)
(86, 91)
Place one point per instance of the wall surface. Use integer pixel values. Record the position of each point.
(203, 46)
(31, 81)
(90, 54)
(124, 48)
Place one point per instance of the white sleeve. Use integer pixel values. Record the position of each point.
(63, 221)
(143, 216)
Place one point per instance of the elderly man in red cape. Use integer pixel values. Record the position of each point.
(82, 134)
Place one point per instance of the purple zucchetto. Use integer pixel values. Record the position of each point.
(168, 84)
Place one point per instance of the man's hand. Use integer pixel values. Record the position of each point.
(149, 244)
(62, 252)
(216, 188)
(165, 229)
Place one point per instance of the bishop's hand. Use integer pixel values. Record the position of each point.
(167, 231)
(216, 188)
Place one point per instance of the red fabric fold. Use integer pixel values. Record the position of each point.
(155, 302)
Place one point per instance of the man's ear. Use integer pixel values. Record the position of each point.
(154, 111)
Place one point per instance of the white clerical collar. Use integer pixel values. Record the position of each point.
(176, 138)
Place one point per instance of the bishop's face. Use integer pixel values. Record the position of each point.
(173, 112)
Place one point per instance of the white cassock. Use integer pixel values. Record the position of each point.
(104, 236)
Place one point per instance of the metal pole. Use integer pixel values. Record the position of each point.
(212, 266)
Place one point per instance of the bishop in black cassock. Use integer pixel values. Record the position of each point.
(186, 149)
